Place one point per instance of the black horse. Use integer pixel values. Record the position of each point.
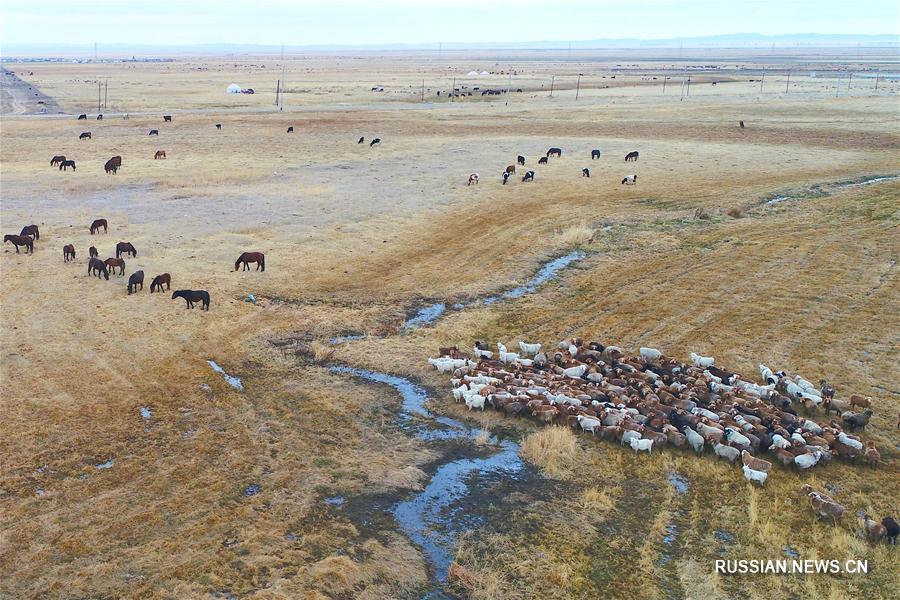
(154, 132)
(554, 152)
(125, 248)
(542, 160)
(85, 135)
(374, 141)
(167, 118)
(290, 129)
(20, 240)
(361, 140)
(632, 156)
(136, 279)
(64, 165)
(97, 266)
(82, 117)
(31, 230)
(191, 296)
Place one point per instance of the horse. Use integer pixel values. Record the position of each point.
(68, 252)
(85, 135)
(542, 160)
(99, 117)
(56, 160)
(154, 132)
(529, 176)
(159, 154)
(92, 252)
(125, 248)
(511, 169)
(521, 160)
(31, 230)
(82, 117)
(361, 140)
(158, 282)
(248, 257)
(595, 154)
(505, 177)
(632, 156)
(630, 180)
(136, 279)
(473, 178)
(20, 240)
(554, 152)
(113, 164)
(167, 118)
(112, 263)
(741, 124)
(64, 165)
(97, 224)
(290, 129)
(374, 141)
(96, 265)
(191, 296)
(585, 172)
(218, 126)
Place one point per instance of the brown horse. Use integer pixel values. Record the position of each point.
(248, 257)
(97, 224)
(112, 263)
(92, 252)
(158, 282)
(31, 230)
(136, 279)
(113, 164)
(159, 154)
(125, 248)
(20, 240)
(96, 266)
(511, 169)
(68, 252)
(56, 160)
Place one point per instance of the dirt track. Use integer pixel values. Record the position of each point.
(18, 97)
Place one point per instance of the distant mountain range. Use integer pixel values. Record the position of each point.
(736, 40)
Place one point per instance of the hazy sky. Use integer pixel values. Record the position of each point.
(301, 22)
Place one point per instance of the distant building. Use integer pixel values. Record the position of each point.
(234, 89)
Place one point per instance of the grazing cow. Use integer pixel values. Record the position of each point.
(56, 160)
(112, 263)
(361, 140)
(632, 156)
(630, 180)
(31, 230)
(136, 279)
(741, 123)
(191, 296)
(167, 118)
(521, 160)
(158, 282)
(248, 257)
(20, 240)
(511, 169)
(374, 141)
(585, 172)
(68, 252)
(505, 178)
(99, 117)
(542, 160)
(113, 164)
(159, 154)
(64, 165)
(97, 224)
(595, 154)
(85, 135)
(554, 152)
(218, 126)
(97, 266)
(82, 117)
(473, 178)
(290, 129)
(154, 132)
(92, 252)
(529, 176)
(125, 248)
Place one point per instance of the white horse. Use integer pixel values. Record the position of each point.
(630, 180)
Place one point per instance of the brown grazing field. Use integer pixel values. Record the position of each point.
(131, 469)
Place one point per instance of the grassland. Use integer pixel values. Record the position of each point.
(356, 238)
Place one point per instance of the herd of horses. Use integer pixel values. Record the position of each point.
(475, 178)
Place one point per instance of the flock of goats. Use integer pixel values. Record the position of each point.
(651, 401)
(474, 178)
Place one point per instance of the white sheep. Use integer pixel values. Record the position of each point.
(525, 362)
(447, 365)
(811, 426)
(734, 437)
(639, 444)
(699, 410)
(478, 352)
(650, 354)
(758, 476)
(806, 385)
(702, 361)
(778, 441)
(508, 357)
(849, 441)
(695, 440)
(575, 372)
(459, 392)
(588, 423)
(475, 401)
(729, 453)
(767, 375)
(629, 435)
(531, 349)
(809, 460)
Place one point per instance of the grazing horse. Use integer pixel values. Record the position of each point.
(159, 154)
(290, 129)
(630, 180)
(31, 230)
(64, 165)
(56, 160)
(632, 156)
(167, 118)
(542, 160)
(158, 282)
(96, 266)
(97, 224)
(741, 124)
(374, 141)
(218, 126)
(20, 240)
(361, 140)
(92, 252)
(473, 178)
(85, 135)
(125, 248)
(505, 177)
(112, 263)
(521, 160)
(68, 252)
(529, 176)
(585, 172)
(99, 117)
(154, 132)
(511, 169)
(82, 117)
(113, 164)
(248, 257)
(191, 296)
(595, 154)
(554, 152)
(136, 279)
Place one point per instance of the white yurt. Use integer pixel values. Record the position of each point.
(234, 89)
(472, 74)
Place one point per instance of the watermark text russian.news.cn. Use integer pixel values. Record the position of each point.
(791, 566)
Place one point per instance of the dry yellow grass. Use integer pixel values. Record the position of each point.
(553, 449)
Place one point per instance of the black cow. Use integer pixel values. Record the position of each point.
(529, 176)
(585, 172)
(595, 154)
(85, 135)
(374, 141)
(154, 132)
(521, 160)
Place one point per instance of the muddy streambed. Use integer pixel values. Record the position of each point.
(825, 189)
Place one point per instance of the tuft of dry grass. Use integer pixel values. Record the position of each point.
(575, 236)
(595, 500)
(735, 212)
(553, 449)
(320, 352)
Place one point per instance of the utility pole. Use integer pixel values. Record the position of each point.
(788, 83)
(453, 89)
(689, 85)
(423, 90)
(683, 80)
(98, 97)
(105, 93)
(577, 86)
(664, 84)
(281, 107)
(849, 79)
(877, 75)
(508, 84)
(553, 78)
(761, 81)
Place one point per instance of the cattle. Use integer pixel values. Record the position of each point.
(82, 117)
(473, 178)
(585, 172)
(521, 160)
(167, 118)
(290, 129)
(505, 178)
(595, 154)
(85, 135)
(113, 164)
(529, 176)
(218, 126)
(154, 132)
(630, 180)
(542, 160)
(554, 152)
(374, 141)
(632, 156)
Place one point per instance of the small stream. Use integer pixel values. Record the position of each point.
(456, 497)
(820, 189)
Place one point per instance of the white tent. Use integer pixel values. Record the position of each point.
(473, 74)
(234, 89)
